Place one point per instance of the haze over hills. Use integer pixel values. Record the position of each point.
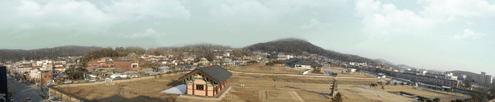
(298, 46)
(384, 61)
(42, 53)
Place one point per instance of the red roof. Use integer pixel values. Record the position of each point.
(106, 64)
(89, 69)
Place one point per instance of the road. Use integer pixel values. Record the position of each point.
(21, 91)
(259, 73)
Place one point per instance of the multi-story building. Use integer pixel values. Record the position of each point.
(492, 81)
(484, 79)
(432, 79)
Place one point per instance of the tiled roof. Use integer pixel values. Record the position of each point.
(216, 73)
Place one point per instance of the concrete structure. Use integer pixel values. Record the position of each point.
(206, 81)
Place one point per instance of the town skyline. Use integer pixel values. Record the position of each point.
(442, 35)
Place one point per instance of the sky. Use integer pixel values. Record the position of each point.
(433, 34)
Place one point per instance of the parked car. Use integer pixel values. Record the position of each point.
(28, 99)
(67, 82)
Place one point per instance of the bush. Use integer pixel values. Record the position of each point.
(373, 84)
(337, 98)
(436, 100)
(252, 61)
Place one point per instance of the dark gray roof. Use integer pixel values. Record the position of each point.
(309, 63)
(289, 61)
(216, 73)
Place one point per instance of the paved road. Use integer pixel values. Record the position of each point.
(22, 91)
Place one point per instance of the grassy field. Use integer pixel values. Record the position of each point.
(354, 87)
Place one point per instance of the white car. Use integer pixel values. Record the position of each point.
(67, 82)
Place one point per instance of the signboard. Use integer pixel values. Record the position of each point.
(3, 83)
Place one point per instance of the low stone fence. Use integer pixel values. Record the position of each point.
(116, 81)
(64, 96)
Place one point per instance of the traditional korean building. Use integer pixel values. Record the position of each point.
(206, 81)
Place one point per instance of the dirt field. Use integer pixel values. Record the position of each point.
(141, 90)
(268, 88)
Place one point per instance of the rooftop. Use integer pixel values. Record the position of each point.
(216, 73)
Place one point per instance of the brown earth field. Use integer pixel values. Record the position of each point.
(354, 87)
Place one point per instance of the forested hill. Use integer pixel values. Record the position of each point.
(50, 53)
(298, 46)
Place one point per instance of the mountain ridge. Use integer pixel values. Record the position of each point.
(42, 53)
(299, 46)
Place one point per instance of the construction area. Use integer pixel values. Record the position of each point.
(252, 86)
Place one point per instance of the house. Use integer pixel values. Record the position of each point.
(104, 59)
(289, 62)
(46, 77)
(305, 65)
(351, 70)
(206, 81)
(34, 73)
(126, 64)
(59, 69)
(59, 76)
(187, 66)
(163, 69)
(226, 54)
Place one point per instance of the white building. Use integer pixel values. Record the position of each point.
(351, 70)
(424, 72)
(450, 76)
(34, 73)
(226, 54)
(21, 70)
(493, 80)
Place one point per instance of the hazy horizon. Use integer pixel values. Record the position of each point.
(434, 34)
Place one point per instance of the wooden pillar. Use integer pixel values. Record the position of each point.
(193, 88)
(220, 86)
(186, 88)
(206, 90)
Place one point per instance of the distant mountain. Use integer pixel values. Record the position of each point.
(384, 61)
(50, 53)
(404, 66)
(298, 46)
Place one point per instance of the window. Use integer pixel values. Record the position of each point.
(199, 87)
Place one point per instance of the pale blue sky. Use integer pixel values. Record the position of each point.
(436, 34)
